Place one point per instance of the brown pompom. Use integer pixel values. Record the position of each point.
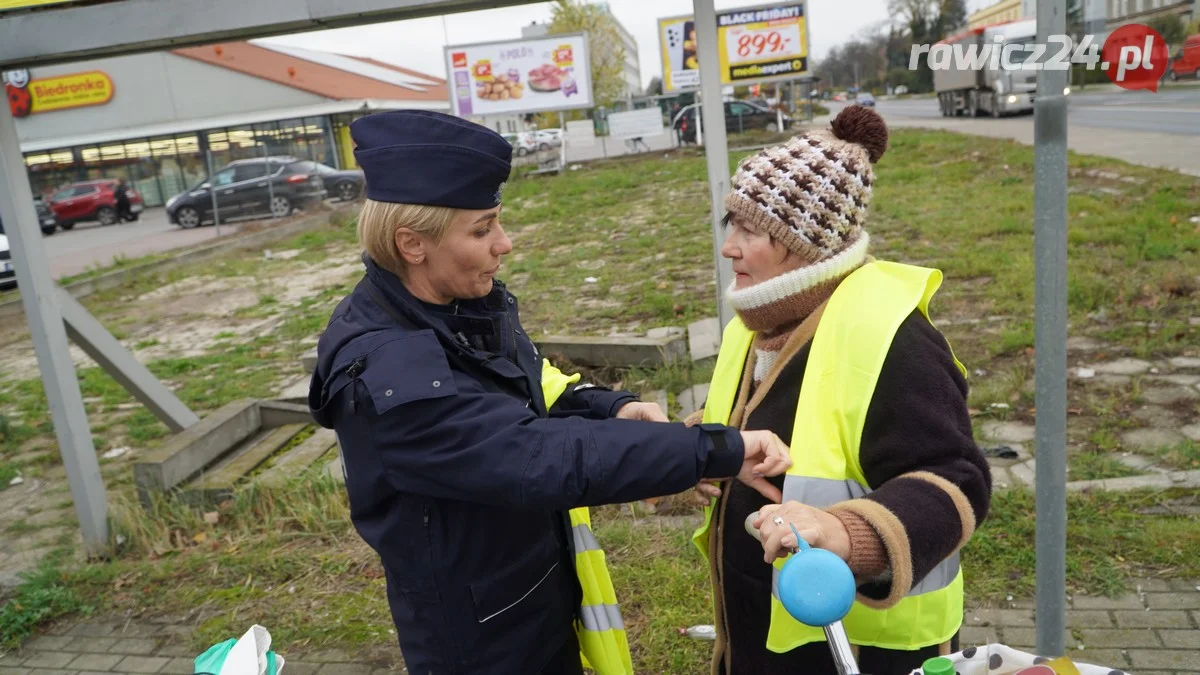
(862, 125)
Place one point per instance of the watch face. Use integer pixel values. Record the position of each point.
(17, 78)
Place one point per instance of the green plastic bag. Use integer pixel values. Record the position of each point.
(252, 653)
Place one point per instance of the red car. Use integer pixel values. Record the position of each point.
(92, 200)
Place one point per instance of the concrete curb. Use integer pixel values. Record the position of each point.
(86, 287)
(618, 351)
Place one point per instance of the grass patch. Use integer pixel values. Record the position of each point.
(640, 227)
(42, 596)
(1096, 466)
(1107, 541)
(1185, 455)
(8, 471)
(1130, 247)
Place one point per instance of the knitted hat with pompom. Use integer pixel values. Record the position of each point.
(811, 193)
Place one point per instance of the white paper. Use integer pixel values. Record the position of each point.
(249, 654)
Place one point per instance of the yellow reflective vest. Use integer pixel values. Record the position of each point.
(845, 358)
(601, 632)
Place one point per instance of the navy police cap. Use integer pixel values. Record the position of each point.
(425, 157)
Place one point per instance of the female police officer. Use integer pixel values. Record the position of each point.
(463, 449)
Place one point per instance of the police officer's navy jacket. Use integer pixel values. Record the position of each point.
(459, 477)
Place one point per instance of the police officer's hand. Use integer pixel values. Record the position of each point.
(766, 456)
(818, 527)
(642, 410)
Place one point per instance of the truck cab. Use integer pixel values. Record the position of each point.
(990, 88)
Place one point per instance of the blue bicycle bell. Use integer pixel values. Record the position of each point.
(816, 586)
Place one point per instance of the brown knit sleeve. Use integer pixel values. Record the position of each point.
(868, 555)
(931, 485)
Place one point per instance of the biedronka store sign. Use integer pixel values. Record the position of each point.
(30, 96)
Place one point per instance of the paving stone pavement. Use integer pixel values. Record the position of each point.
(96, 646)
(1154, 631)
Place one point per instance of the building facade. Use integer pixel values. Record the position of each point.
(167, 113)
(1102, 16)
(1121, 12)
(1001, 12)
(633, 64)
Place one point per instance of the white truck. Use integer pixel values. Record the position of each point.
(986, 86)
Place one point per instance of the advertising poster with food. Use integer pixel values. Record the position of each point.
(521, 76)
(755, 44)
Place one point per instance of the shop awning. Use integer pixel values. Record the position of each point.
(200, 124)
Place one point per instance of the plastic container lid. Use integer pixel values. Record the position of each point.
(938, 665)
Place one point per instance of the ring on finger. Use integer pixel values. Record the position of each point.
(778, 520)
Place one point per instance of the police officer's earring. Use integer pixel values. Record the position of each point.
(419, 259)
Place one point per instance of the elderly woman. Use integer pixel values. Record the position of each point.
(836, 352)
(463, 449)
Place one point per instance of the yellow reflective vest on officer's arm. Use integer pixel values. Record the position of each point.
(844, 361)
(602, 636)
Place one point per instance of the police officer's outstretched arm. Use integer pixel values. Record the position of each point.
(460, 441)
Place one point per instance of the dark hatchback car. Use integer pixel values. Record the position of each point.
(739, 116)
(343, 184)
(274, 186)
(46, 219)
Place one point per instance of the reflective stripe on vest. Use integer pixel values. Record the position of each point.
(602, 638)
(845, 358)
(823, 492)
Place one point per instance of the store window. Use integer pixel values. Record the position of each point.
(142, 172)
(320, 140)
(51, 170)
(191, 160)
(243, 143)
(218, 148)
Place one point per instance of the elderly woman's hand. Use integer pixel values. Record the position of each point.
(641, 410)
(819, 528)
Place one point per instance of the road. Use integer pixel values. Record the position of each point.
(1172, 110)
(93, 245)
(1152, 129)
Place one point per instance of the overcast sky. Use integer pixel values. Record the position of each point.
(418, 43)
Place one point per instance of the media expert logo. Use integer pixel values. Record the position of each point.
(459, 59)
(1133, 56)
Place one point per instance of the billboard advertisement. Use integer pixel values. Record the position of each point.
(520, 76)
(755, 44)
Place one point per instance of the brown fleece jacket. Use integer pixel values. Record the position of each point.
(930, 488)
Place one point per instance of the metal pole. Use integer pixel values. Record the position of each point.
(715, 150)
(49, 336)
(106, 350)
(270, 181)
(1050, 299)
(562, 147)
(778, 108)
(212, 190)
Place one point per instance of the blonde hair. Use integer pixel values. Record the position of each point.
(379, 221)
